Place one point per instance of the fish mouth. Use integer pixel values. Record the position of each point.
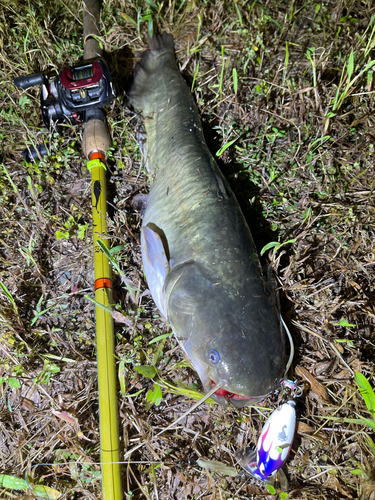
(208, 376)
(225, 397)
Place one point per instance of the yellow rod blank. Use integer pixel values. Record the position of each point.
(107, 382)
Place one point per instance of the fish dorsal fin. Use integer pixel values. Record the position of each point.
(155, 255)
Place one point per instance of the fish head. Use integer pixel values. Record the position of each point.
(232, 337)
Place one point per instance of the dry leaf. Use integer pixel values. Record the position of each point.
(316, 386)
(120, 318)
(302, 427)
(343, 375)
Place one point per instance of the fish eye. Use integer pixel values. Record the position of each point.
(214, 357)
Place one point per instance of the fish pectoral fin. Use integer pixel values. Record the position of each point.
(156, 251)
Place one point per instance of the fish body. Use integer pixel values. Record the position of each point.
(199, 258)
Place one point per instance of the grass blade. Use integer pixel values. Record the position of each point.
(235, 80)
(350, 65)
(366, 390)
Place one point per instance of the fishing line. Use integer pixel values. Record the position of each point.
(198, 403)
(61, 465)
(291, 355)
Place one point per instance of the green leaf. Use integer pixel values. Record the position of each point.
(160, 337)
(283, 495)
(102, 306)
(117, 249)
(60, 235)
(154, 396)
(128, 18)
(7, 292)
(357, 471)
(276, 245)
(271, 244)
(366, 390)
(239, 14)
(343, 322)
(183, 390)
(39, 314)
(321, 139)
(226, 146)
(350, 65)
(135, 394)
(59, 358)
(150, 28)
(366, 421)
(12, 482)
(52, 368)
(81, 231)
(121, 377)
(152, 4)
(271, 489)
(222, 72)
(235, 78)
(104, 248)
(147, 371)
(371, 444)
(45, 492)
(14, 383)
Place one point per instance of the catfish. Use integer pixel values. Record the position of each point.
(199, 259)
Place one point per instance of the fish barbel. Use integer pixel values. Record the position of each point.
(199, 258)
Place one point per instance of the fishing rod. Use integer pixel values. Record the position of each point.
(78, 94)
(96, 141)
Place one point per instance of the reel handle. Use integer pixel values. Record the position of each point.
(25, 82)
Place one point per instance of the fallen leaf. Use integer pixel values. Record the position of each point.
(218, 467)
(41, 491)
(316, 386)
(343, 375)
(66, 417)
(302, 427)
(120, 318)
(12, 482)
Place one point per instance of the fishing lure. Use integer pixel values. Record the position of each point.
(274, 444)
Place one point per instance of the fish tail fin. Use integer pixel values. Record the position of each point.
(153, 61)
(162, 41)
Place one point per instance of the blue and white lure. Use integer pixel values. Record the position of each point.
(274, 444)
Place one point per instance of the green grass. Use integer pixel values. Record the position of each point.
(286, 96)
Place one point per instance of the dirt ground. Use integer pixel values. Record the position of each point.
(285, 91)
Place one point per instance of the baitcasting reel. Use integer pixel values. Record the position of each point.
(76, 94)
